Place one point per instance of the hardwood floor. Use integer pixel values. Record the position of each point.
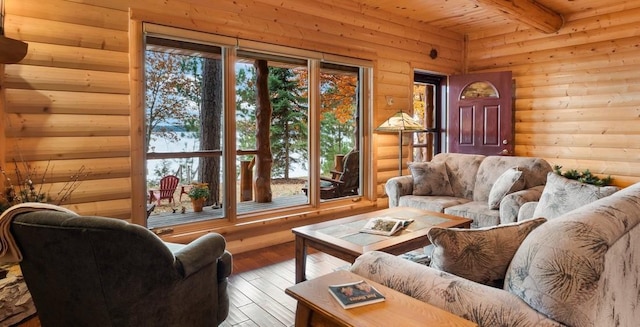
(257, 284)
(256, 287)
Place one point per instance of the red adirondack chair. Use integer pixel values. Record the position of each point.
(168, 186)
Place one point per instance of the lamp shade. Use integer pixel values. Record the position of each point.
(399, 122)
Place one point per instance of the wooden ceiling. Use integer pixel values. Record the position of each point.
(469, 16)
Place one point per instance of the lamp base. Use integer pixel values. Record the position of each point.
(400, 153)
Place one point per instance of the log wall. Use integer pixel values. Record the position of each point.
(577, 91)
(68, 103)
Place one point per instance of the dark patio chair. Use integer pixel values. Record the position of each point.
(342, 183)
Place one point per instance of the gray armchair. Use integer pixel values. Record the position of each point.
(96, 271)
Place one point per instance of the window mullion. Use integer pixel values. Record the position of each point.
(229, 81)
(314, 131)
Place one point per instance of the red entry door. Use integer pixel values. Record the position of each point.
(480, 114)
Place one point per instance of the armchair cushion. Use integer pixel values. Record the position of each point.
(430, 178)
(481, 255)
(562, 195)
(510, 181)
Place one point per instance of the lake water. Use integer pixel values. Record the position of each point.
(189, 166)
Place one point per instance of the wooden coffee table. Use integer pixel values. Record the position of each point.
(316, 307)
(340, 237)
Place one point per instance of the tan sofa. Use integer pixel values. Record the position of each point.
(471, 178)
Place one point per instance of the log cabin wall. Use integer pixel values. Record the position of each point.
(68, 102)
(577, 91)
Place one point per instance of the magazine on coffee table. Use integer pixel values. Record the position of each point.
(385, 225)
(355, 294)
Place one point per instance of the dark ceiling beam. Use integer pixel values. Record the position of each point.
(528, 12)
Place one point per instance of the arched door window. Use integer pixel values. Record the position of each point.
(481, 89)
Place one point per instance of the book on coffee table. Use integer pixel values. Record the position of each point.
(355, 294)
(385, 225)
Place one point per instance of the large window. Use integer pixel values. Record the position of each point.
(183, 125)
(272, 130)
(264, 127)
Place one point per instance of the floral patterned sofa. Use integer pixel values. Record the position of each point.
(487, 189)
(581, 268)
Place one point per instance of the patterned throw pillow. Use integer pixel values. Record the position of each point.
(481, 255)
(510, 181)
(561, 195)
(430, 178)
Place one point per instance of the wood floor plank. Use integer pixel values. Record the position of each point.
(274, 291)
(236, 317)
(260, 317)
(248, 323)
(279, 311)
(236, 296)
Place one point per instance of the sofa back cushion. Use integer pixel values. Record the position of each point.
(559, 268)
(562, 195)
(462, 170)
(534, 171)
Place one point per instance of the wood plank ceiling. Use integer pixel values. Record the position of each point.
(469, 16)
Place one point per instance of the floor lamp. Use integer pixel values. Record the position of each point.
(400, 123)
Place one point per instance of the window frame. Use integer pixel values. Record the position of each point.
(229, 47)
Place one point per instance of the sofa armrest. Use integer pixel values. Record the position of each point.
(482, 304)
(203, 251)
(511, 203)
(526, 210)
(397, 187)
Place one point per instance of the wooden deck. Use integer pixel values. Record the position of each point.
(168, 218)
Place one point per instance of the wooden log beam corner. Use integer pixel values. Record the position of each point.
(11, 51)
(528, 12)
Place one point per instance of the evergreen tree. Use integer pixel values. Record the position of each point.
(289, 118)
(245, 107)
(289, 123)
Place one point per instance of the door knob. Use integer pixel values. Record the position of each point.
(505, 142)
